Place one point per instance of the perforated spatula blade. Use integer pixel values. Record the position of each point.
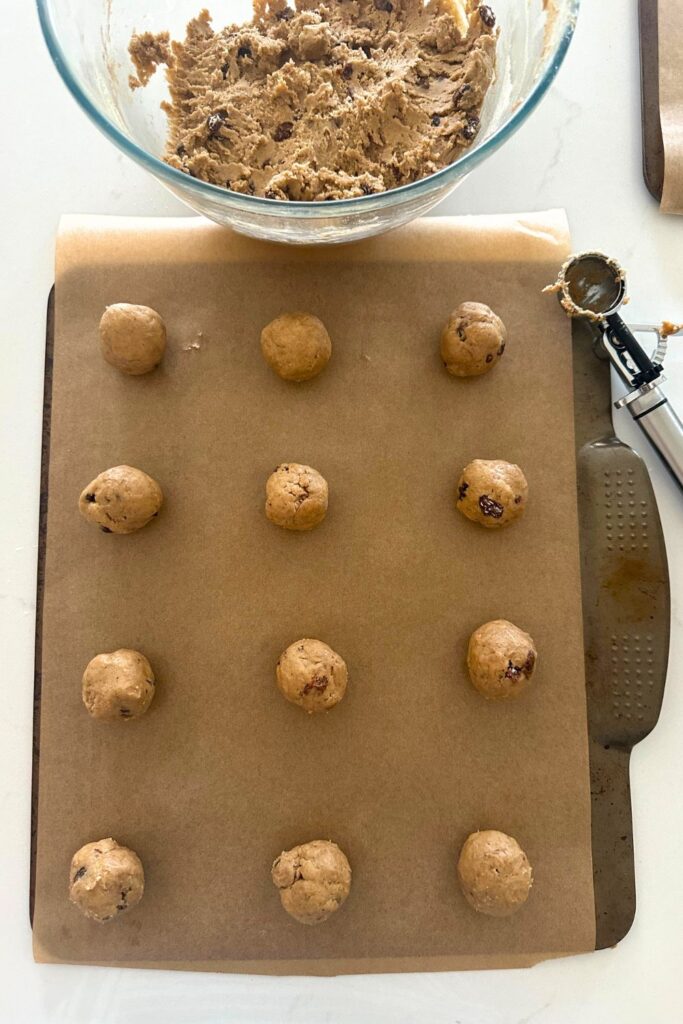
(626, 606)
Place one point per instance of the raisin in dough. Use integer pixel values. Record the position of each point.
(121, 500)
(314, 880)
(132, 338)
(473, 340)
(296, 497)
(105, 879)
(494, 873)
(296, 345)
(492, 493)
(311, 675)
(501, 659)
(119, 685)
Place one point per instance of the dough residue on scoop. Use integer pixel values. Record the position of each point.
(668, 328)
(326, 101)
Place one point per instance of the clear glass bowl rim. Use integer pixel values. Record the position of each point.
(178, 180)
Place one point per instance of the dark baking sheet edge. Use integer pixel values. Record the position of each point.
(42, 538)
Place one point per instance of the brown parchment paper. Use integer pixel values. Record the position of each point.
(670, 16)
(222, 774)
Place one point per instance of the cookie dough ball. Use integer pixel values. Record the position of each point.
(312, 675)
(501, 659)
(296, 345)
(296, 497)
(494, 873)
(119, 685)
(314, 880)
(473, 340)
(105, 879)
(132, 338)
(492, 493)
(121, 500)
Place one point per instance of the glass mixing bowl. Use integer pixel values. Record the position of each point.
(88, 41)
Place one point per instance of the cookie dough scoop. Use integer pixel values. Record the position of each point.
(314, 880)
(296, 497)
(132, 338)
(118, 686)
(494, 873)
(473, 340)
(121, 500)
(311, 675)
(105, 879)
(492, 493)
(296, 346)
(501, 659)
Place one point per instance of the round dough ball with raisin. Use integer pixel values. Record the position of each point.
(501, 659)
(492, 493)
(473, 340)
(314, 879)
(311, 675)
(132, 338)
(296, 497)
(296, 345)
(494, 873)
(105, 879)
(121, 500)
(118, 686)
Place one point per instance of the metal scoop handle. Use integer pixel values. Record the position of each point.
(651, 409)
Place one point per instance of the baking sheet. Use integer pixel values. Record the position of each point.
(222, 774)
(671, 102)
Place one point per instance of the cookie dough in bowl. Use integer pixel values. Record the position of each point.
(121, 500)
(118, 686)
(296, 346)
(311, 675)
(296, 497)
(494, 873)
(314, 880)
(105, 879)
(501, 659)
(132, 338)
(473, 340)
(492, 493)
(330, 99)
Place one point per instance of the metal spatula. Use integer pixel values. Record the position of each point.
(625, 592)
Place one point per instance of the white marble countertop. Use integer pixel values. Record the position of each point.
(580, 150)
